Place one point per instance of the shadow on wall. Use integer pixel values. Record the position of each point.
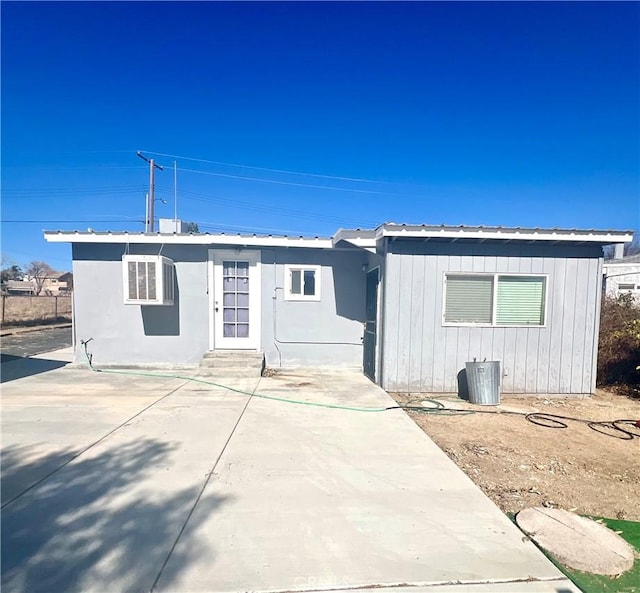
(90, 526)
(17, 367)
(349, 284)
(162, 320)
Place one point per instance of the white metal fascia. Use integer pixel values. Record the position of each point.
(199, 239)
(524, 235)
(364, 243)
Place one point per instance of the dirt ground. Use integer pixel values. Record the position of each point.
(519, 465)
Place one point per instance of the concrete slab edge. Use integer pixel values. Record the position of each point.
(135, 367)
(418, 586)
(13, 331)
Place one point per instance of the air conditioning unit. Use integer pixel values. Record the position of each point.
(148, 280)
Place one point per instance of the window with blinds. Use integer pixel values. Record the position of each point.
(520, 300)
(494, 299)
(469, 299)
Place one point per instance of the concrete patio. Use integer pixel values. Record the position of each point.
(123, 483)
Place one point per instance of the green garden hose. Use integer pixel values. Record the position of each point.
(623, 429)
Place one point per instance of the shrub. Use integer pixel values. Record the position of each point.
(619, 344)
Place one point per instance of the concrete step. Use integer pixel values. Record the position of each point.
(223, 363)
(229, 373)
(234, 354)
(231, 364)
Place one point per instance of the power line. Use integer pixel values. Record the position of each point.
(67, 189)
(230, 227)
(186, 158)
(24, 221)
(345, 189)
(68, 193)
(275, 210)
(65, 168)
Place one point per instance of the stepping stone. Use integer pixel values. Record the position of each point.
(577, 542)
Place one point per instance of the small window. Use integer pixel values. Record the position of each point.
(302, 283)
(494, 299)
(626, 287)
(148, 280)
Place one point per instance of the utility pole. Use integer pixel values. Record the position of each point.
(152, 167)
(146, 212)
(175, 196)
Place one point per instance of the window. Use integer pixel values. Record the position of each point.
(302, 283)
(494, 299)
(148, 280)
(626, 286)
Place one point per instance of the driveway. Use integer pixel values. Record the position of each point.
(122, 483)
(31, 341)
(19, 345)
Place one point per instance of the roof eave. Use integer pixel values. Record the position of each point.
(603, 238)
(184, 239)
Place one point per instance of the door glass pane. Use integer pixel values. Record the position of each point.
(309, 282)
(235, 299)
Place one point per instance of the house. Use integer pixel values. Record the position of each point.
(56, 283)
(23, 287)
(65, 283)
(409, 304)
(622, 275)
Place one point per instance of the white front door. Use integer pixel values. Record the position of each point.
(235, 306)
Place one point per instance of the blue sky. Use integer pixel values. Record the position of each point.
(307, 117)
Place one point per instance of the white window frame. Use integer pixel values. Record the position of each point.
(288, 269)
(164, 267)
(494, 311)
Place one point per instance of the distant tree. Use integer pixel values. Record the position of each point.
(11, 273)
(633, 248)
(191, 227)
(39, 271)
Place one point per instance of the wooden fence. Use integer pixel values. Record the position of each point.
(29, 310)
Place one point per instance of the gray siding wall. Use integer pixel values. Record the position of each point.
(133, 334)
(422, 355)
(327, 332)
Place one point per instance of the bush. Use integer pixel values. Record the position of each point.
(619, 345)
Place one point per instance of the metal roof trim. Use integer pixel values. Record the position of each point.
(186, 239)
(606, 237)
